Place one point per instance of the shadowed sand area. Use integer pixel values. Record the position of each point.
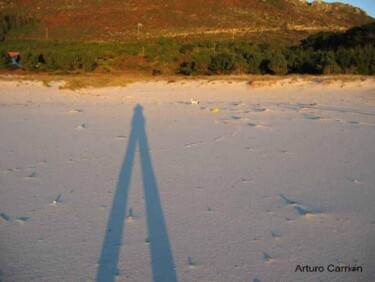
(161, 254)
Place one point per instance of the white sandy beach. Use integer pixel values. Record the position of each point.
(282, 175)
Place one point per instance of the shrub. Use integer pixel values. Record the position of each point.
(253, 61)
(274, 63)
(222, 63)
(202, 60)
(4, 60)
(187, 68)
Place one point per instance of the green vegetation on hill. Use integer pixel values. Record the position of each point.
(350, 52)
(356, 36)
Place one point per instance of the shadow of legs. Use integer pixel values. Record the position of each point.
(161, 254)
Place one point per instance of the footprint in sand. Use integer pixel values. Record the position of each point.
(56, 200)
(305, 212)
(190, 145)
(306, 106)
(267, 257)
(4, 217)
(257, 125)
(82, 126)
(275, 235)
(312, 117)
(32, 175)
(299, 208)
(354, 180)
(259, 110)
(244, 180)
(218, 139)
(103, 207)
(354, 122)
(192, 264)
(8, 170)
(236, 117)
(252, 124)
(121, 137)
(288, 219)
(288, 201)
(22, 219)
(75, 111)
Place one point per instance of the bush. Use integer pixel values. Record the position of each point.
(4, 60)
(274, 63)
(253, 60)
(222, 63)
(187, 68)
(202, 60)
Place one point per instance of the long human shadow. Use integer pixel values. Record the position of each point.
(162, 263)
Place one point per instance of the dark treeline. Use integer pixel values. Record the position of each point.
(350, 52)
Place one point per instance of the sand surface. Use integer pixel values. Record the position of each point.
(138, 184)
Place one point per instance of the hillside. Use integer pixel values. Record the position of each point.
(129, 21)
(349, 52)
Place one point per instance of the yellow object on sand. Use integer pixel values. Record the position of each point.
(215, 110)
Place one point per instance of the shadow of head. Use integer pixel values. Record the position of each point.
(138, 118)
(138, 109)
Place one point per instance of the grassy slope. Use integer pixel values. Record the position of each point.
(117, 20)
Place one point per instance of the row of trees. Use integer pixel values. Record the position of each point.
(358, 60)
(351, 52)
(236, 57)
